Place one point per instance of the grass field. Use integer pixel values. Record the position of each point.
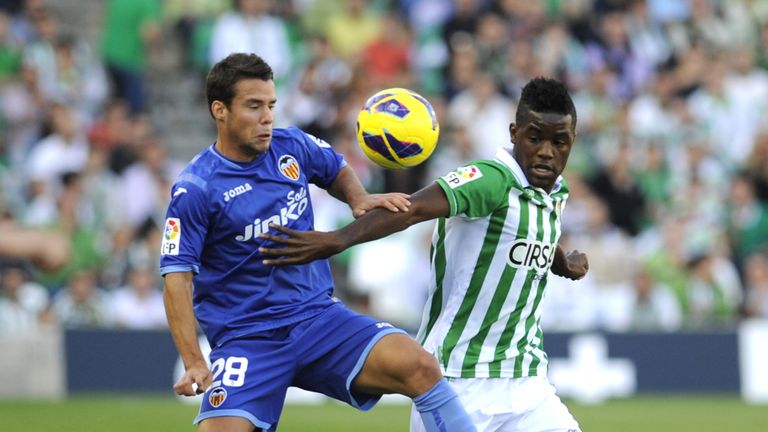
(152, 413)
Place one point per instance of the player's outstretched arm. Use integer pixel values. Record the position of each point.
(347, 188)
(573, 265)
(49, 250)
(301, 247)
(177, 297)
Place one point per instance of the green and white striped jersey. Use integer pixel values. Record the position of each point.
(490, 262)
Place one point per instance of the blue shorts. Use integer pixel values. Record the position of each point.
(322, 354)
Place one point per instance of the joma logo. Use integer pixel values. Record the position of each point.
(239, 190)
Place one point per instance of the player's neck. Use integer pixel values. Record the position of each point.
(233, 152)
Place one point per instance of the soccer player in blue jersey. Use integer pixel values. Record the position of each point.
(275, 327)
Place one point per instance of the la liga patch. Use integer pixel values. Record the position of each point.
(171, 237)
(462, 175)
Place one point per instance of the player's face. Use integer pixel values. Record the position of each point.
(248, 120)
(543, 142)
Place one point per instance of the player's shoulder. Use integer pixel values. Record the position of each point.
(199, 172)
(507, 164)
(484, 168)
(492, 167)
(293, 136)
(288, 135)
(476, 174)
(291, 132)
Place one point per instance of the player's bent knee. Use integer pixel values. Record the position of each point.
(398, 364)
(415, 362)
(427, 367)
(421, 373)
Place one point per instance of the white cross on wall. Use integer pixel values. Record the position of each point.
(588, 375)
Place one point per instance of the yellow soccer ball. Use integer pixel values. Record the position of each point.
(397, 128)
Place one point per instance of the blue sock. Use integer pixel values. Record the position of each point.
(441, 410)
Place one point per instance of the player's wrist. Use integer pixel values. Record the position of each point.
(340, 241)
(195, 363)
(355, 200)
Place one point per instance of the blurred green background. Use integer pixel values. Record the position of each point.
(117, 414)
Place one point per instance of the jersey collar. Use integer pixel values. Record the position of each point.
(234, 164)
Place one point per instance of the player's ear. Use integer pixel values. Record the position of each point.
(512, 132)
(218, 109)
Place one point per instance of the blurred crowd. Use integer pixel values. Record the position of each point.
(669, 173)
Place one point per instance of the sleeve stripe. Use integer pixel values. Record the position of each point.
(195, 180)
(179, 268)
(449, 194)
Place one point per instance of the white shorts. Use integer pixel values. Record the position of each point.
(510, 405)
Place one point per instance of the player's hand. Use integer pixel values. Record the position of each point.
(575, 267)
(195, 381)
(394, 202)
(300, 247)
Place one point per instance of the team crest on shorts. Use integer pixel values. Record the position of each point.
(289, 166)
(217, 396)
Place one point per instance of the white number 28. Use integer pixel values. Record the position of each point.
(234, 371)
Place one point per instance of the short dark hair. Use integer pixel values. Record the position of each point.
(545, 95)
(221, 80)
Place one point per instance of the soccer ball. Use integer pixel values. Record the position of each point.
(397, 128)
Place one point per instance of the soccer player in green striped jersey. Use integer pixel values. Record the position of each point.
(495, 243)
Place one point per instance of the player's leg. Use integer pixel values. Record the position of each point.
(397, 364)
(483, 420)
(526, 404)
(356, 359)
(549, 415)
(229, 424)
(417, 424)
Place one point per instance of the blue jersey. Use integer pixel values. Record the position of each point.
(218, 209)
